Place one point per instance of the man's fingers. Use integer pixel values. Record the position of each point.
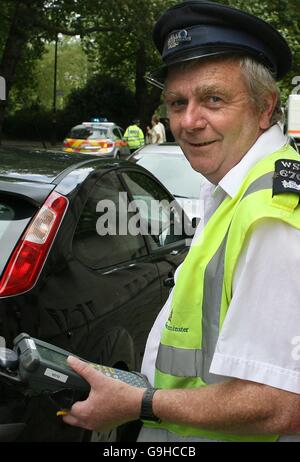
(71, 420)
(83, 369)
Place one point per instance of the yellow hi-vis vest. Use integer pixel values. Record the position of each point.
(203, 289)
(134, 136)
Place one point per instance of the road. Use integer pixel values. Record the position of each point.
(25, 144)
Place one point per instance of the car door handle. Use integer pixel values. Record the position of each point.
(169, 282)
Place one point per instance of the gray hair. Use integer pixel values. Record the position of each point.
(261, 82)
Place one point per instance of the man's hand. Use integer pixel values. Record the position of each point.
(109, 404)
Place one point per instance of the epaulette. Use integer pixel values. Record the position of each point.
(286, 177)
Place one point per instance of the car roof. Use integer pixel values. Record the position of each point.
(38, 165)
(31, 174)
(98, 124)
(171, 149)
(90, 125)
(43, 166)
(35, 174)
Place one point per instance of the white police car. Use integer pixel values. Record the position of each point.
(98, 137)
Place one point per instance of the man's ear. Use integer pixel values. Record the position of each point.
(269, 104)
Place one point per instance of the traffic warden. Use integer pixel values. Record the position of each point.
(222, 356)
(134, 136)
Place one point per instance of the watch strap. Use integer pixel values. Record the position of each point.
(146, 406)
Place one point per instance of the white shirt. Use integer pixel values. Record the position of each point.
(158, 130)
(260, 338)
(163, 132)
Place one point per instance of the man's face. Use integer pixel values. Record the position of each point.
(212, 116)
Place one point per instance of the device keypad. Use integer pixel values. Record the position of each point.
(131, 378)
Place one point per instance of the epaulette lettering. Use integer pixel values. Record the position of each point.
(286, 176)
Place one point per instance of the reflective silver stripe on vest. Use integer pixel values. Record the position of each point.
(263, 182)
(161, 435)
(181, 362)
(212, 297)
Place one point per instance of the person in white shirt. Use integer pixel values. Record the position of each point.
(223, 355)
(158, 131)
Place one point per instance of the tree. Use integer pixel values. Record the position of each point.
(72, 71)
(284, 15)
(116, 35)
(29, 24)
(128, 53)
(127, 23)
(103, 96)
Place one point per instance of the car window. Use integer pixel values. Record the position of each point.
(117, 133)
(161, 216)
(175, 173)
(80, 133)
(98, 133)
(101, 238)
(85, 133)
(15, 215)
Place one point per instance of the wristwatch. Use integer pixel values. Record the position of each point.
(146, 406)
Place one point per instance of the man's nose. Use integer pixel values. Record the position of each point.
(193, 117)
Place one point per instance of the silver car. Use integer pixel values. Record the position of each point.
(100, 138)
(168, 163)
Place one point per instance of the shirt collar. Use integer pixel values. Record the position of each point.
(270, 141)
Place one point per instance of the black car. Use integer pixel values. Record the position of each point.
(67, 282)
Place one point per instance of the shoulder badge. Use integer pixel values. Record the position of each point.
(286, 177)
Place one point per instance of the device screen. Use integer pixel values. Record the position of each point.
(53, 356)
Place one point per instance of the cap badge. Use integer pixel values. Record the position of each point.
(177, 38)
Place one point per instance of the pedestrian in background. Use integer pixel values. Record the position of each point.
(134, 136)
(158, 131)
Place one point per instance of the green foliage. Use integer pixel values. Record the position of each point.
(102, 97)
(29, 124)
(284, 15)
(116, 36)
(116, 52)
(72, 72)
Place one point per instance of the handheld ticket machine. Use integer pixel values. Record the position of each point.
(38, 367)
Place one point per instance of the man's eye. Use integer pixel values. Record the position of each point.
(214, 99)
(176, 103)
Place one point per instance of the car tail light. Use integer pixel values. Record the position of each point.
(27, 260)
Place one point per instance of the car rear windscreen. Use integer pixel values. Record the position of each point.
(15, 214)
(88, 133)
